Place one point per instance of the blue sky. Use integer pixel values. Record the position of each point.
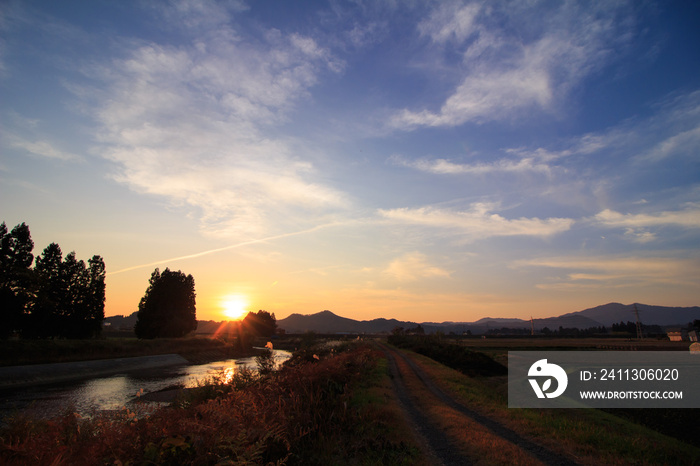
(427, 161)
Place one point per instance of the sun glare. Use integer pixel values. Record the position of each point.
(234, 307)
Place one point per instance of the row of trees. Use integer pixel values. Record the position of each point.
(631, 328)
(65, 298)
(58, 297)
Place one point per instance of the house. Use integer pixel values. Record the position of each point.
(693, 335)
(677, 334)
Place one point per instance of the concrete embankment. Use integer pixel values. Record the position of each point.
(39, 374)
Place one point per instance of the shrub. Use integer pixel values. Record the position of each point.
(457, 357)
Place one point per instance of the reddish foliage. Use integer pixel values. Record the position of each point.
(273, 419)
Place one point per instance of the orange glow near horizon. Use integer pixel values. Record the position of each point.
(235, 307)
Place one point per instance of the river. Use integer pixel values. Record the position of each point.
(114, 392)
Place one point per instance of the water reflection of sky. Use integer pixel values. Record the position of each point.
(113, 393)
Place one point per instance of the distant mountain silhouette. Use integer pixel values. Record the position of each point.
(328, 322)
(498, 321)
(605, 315)
(611, 313)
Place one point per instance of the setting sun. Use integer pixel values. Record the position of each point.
(234, 307)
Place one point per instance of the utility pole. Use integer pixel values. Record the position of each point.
(639, 324)
(532, 326)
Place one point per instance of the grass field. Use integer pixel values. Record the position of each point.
(594, 436)
(529, 343)
(498, 347)
(677, 423)
(653, 436)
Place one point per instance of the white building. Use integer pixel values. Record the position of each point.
(677, 334)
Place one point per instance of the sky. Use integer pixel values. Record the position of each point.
(424, 161)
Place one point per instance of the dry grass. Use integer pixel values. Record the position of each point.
(308, 413)
(382, 418)
(470, 437)
(480, 443)
(590, 435)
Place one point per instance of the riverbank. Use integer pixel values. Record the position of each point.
(196, 350)
(326, 407)
(16, 377)
(27, 363)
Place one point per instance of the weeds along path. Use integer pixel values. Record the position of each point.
(458, 447)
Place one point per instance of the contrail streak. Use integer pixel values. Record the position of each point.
(226, 248)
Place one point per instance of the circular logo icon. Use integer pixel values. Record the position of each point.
(546, 372)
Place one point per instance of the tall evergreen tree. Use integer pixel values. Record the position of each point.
(74, 312)
(96, 294)
(168, 308)
(49, 308)
(16, 277)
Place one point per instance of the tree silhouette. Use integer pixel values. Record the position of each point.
(16, 277)
(58, 298)
(75, 306)
(49, 309)
(260, 324)
(96, 295)
(168, 309)
(84, 297)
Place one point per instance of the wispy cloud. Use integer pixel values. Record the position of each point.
(636, 225)
(508, 70)
(41, 148)
(684, 142)
(615, 272)
(447, 167)
(478, 222)
(587, 144)
(485, 96)
(639, 235)
(195, 123)
(451, 22)
(413, 266)
(199, 15)
(689, 218)
(672, 132)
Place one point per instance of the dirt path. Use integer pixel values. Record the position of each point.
(441, 447)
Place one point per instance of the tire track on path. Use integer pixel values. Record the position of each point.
(440, 448)
(439, 443)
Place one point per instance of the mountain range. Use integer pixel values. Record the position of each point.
(600, 316)
(328, 322)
